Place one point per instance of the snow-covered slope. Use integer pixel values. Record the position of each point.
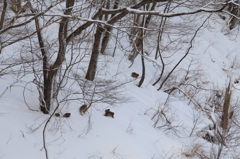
(131, 134)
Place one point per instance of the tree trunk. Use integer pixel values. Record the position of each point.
(45, 100)
(133, 34)
(163, 66)
(107, 7)
(143, 72)
(108, 30)
(158, 52)
(49, 73)
(142, 58)
(226, 106)
(47, 92)
(92, 67)
(161, 29)
(137, 42)
(5, 3)
(233, 9)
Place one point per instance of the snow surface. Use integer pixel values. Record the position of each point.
(130, 134)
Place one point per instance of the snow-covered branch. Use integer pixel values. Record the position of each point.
(137, 11)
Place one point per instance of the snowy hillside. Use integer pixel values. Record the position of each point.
(180, 120)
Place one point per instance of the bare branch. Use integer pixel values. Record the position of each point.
(28, 21)
(136, 11)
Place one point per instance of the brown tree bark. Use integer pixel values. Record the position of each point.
(142, 57)
(93, 61)
(234, 10)
(92, 67)
(49, 72)
(226, 106)
(5, 4)
(137, 42)
(108, 30)
(46, 101)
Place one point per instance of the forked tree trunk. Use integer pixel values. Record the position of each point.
(49, 72)
(93, 61)
(45, 100)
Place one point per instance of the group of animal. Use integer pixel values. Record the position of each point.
(66, 115)
(83, 109)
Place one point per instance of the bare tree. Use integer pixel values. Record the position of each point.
(69, 29)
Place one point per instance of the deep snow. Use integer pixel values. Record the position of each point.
(130, 134)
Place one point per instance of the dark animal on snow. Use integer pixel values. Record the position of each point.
(134, 75)
(236, 81)
(83, 109)
(57, 114)
(109, 113)
(67, 115)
